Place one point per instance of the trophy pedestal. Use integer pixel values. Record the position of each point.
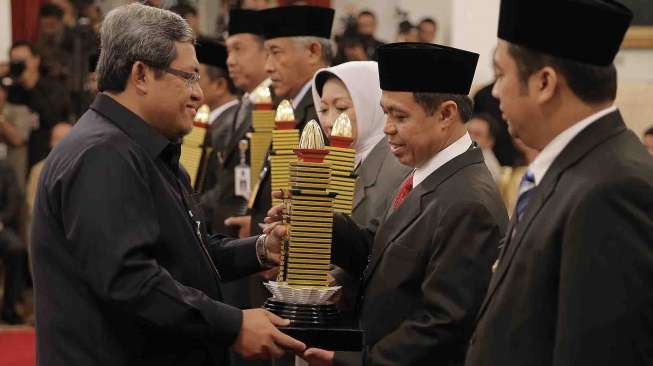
(317, 325)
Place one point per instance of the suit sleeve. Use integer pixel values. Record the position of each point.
(606, 277)
(235, 258)
(351, 245)
(455, 281)
(111, 225)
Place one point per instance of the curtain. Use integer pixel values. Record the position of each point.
(24, 19)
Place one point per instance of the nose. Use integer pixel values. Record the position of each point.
(495, 92)
(389, 128)
(269, 65)
(231, 59)
(196, 93)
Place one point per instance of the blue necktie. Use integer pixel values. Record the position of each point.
(525, 191)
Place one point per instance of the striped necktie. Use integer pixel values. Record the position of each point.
(403, 192)
(525, 191)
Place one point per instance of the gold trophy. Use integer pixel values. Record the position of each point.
(342, 158)
(301, 292)
(285, 138)
(263, 123)
(194, 150)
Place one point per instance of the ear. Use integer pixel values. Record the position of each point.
(447, 113)
(140, 77)
(544, 83)
(220, 85)
(315, 52)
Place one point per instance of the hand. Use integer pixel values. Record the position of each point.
(270, 274)
(276, 233)
(317, 357)
(260, 339)
(243, 222)
(275, 214)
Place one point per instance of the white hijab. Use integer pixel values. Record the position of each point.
(362, 81)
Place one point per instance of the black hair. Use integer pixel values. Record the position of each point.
(649, 131)
(368, 13)
(51, 10)
(431, 101)
(25, 43)
(428, 20)
(592, 84)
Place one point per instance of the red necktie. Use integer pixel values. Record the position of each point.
(404, 190)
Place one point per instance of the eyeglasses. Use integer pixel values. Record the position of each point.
(191, 78)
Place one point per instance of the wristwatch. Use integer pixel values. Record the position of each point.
(262, 252)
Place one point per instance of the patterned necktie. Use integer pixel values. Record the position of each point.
(525, 191)
(405, 189)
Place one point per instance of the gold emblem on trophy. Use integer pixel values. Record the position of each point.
(263, 124)
(342, 158)
(194, 150)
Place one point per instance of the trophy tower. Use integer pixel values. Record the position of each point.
(302, 292)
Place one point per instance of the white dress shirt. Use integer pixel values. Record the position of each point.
(218, 111)
(457, 148)
(302, 92)
(547, 156)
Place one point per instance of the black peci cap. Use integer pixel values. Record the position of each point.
(245, 21)
(587, 31)
(426, 68)
(212, 53)
(297, 21)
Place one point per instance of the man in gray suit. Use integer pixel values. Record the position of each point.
(220, 94)
(296, 50)
(425, 270)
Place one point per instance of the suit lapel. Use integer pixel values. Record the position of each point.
(411, 208)
(303, 111)
(597, 133)
(369, 171)
(243, 126)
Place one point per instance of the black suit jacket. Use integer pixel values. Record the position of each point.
(573, 286)
(304, 112)
(429, 265)
(123, 274)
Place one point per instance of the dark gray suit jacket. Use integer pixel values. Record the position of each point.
(573, 286)
(429, 265)
(379, 176)
(219, 198)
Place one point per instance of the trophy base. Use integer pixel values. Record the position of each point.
(317, 325)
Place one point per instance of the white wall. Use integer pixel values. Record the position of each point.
(5, 29)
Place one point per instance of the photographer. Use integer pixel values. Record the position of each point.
(44, 96)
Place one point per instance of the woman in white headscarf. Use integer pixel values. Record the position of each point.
(353, 88)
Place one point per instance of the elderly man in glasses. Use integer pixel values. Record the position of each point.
(123, 265)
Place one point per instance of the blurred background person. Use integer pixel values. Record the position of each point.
(648, 140)
(46, 96)
(16, 123)
(55, 42)
(366, 26)
(511, 176)
(504, 150)
(481, 128)
(426, 30)
(407, 32)
(13, 252)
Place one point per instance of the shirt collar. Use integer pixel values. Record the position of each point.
(218, 111)
(302, 92)
(457, 148)
(131, 124)
(547, 156)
